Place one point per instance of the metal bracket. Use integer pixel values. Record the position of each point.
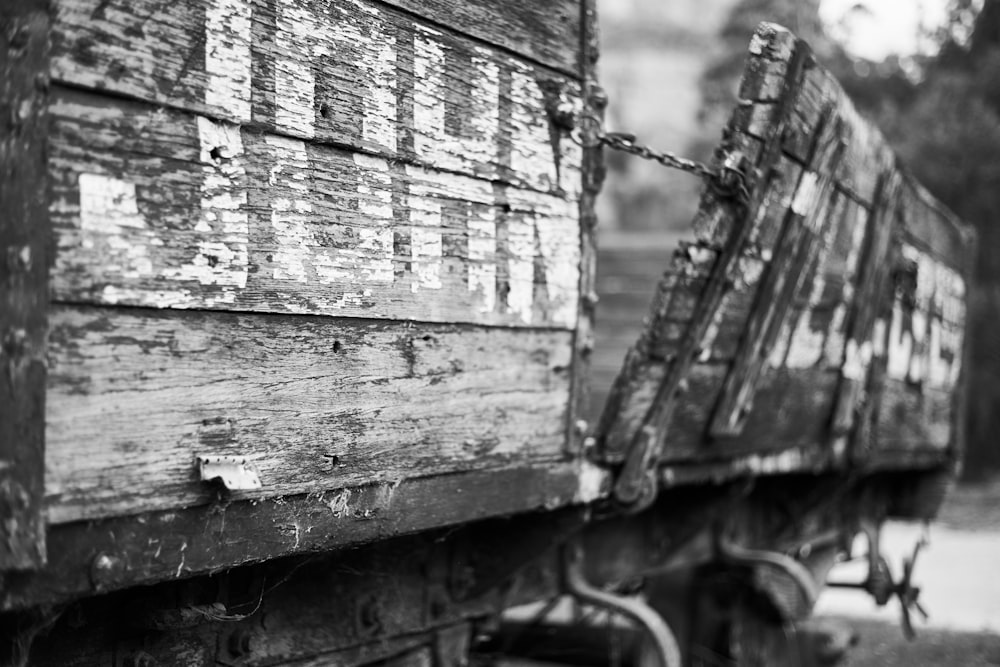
(636, 485)
(237, 473)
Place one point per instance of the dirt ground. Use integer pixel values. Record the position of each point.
(883, 645)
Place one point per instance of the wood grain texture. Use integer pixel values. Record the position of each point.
(317, 405)
(357, 74)
(24, 236)
(546, 32)
(806, 304)
(166, 545)
(812, 212)
(593, 172)
(153, 207)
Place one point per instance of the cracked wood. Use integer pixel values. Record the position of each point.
(316, 404)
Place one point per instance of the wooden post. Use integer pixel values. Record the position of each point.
(24, 64)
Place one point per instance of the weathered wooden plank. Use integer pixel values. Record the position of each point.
(198, 214)
(352, 73)
(548, 32)
(932, 228)
(791, 410)
(315, 404)
(786, 315)
(24, 236)
(872, 295)
(169, 544)
(618, 434)
(592, 178)
(812, 211)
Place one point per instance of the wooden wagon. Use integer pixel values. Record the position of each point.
(296, 315)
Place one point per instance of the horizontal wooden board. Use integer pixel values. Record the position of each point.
(353, 73)
(163, 545)
(154, 207)
(548, 32)
(315, 404)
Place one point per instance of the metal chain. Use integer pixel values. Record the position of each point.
(729, 180)
(626, 143)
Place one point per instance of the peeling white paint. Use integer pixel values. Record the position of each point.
(805, 194)
(110, 219)
(520, 268)
(108, 205)
(748, 271)
(299, 257)
(373, 49)
(432, 141)
(925, 342)
(758, 44)
(857, 358)
(428, 102)
(289, 174)
(769, 464)
(296, 47)
(900, 346)
(558, 234)
(480, 202)
(222, 257)
(712, 330)
(593, 482)
(807, 345)
(374, 251)
(227, 57)
(485, 121)
(379, 122)
(777, 357)
(426, 247)
(878, 338)
(482, 229)
(531, 147)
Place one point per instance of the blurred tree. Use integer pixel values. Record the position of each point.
(950, 138)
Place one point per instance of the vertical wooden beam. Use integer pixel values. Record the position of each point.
(594, 102)
(24, 67)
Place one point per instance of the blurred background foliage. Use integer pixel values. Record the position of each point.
(671, 69)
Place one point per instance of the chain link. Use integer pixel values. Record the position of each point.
(729, 180)
(626, 143)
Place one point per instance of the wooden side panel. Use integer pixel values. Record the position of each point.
(153, 207)
(825, 311)
(24, 62)
(315, 404)
(351, 73)
(120, 552)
